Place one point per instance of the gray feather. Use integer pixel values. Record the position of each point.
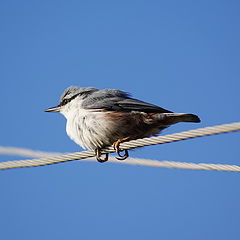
(116, 100)
(73, 91)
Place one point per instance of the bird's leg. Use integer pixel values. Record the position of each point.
(99, 154)
(116, 148)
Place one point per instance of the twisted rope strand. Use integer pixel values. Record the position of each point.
(52, 158)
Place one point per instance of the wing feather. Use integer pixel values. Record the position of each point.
(115, 100)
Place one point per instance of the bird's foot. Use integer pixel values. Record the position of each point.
(99, 155)
(116, 148)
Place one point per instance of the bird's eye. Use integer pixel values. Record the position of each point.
(64, 101)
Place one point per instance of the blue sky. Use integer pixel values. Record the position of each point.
(180, 55)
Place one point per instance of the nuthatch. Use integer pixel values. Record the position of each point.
(100, 118)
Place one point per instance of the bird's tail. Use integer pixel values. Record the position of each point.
(173, 118)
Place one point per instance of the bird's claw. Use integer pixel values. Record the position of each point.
(122, 157)
(99, 156)
(116, 148)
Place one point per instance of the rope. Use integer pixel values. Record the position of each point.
(51, 158)
(130, 161)
(25, 152)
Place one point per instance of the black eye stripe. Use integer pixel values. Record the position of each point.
(82, 94)
(67, 100)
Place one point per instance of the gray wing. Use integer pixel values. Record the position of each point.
(115, 100)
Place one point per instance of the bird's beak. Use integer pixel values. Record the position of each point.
(53, 109)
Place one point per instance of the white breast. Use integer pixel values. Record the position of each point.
(84, 127)
(87, 128)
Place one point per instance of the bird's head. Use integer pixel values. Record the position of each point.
(71, 98)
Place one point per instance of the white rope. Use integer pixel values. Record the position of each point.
(130, 161)
(52, 158)
(25, 152)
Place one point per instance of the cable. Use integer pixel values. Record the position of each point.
(25, 152)
(149, 163)
(133, 144)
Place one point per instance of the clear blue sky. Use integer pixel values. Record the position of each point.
(180, 55)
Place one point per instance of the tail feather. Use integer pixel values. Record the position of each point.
(182, 117)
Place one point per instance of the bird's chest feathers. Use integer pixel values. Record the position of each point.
(84, 128)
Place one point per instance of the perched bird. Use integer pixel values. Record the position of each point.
(100, 118)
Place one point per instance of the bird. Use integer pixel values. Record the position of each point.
(98, 118)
